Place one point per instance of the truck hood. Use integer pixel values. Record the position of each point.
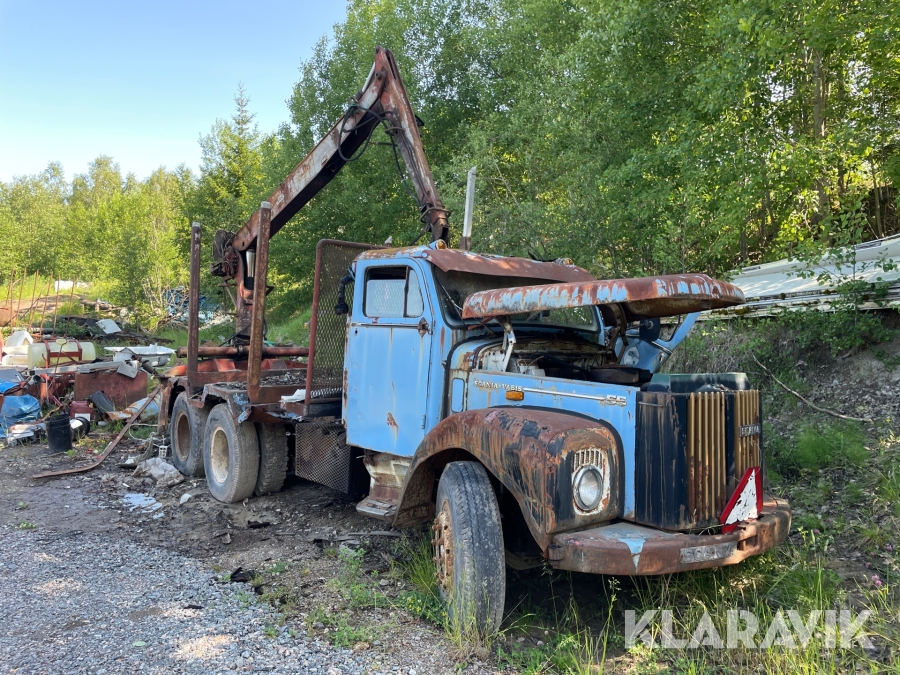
(644, 297)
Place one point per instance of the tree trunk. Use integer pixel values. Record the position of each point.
(819, 102)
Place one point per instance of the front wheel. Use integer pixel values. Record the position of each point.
(230, 456)
(468, 546)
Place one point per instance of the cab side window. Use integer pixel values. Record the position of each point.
(393, 292)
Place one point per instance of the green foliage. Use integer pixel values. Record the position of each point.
(356, 588)
(820, 446)
(636, 138)
(231, 169)
(120, 233)
(889, 487)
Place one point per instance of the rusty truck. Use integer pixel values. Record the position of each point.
(516, 405)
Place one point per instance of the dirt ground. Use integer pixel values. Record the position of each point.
(296, 549)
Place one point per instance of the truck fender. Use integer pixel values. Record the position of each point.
(531, 452)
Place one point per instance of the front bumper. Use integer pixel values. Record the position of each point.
(629, 549)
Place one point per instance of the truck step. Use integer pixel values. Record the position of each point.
(375, 508)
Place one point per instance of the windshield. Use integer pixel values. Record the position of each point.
(455, 287)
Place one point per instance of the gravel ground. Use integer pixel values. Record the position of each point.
(80, 602)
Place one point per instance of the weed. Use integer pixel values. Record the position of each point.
(889, 487)
(72, 453)
(820, 446)
(352, 584)
(889, 361)
(25, 525)
(424, 601)
(244, 598)
(344, 635)
(277, 567)
(270, 631)
(21, 506)
(853, 493)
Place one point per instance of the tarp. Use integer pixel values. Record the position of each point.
(17, 409)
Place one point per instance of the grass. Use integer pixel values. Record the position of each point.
(357, 589)
(821, 446)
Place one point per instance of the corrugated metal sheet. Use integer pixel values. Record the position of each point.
(779, 286)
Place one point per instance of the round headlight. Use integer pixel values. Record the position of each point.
(587, 487)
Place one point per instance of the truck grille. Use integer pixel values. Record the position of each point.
(706, 455)
(586, 457)
(747, 446)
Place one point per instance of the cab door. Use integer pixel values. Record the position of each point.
(388, 357)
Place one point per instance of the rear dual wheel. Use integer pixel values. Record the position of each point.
(230, 456)
(242, 459)
(186, 430)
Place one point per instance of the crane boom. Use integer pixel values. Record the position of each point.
(383, 97)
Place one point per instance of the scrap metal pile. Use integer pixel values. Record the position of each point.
(58, 387)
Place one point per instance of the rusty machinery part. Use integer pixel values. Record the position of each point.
(473, 575)
(109, 448)
(383, 97)
(644, 297)
(241, 351)
(533, 453)
(443, 548)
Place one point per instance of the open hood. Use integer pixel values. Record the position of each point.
(644, 297)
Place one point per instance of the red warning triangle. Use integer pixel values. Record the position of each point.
(745, 503)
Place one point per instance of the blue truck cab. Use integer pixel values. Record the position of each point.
(515, 405)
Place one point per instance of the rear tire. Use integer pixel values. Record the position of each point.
(273, 458)
(468, 541)
(186, 428)
(230, 456)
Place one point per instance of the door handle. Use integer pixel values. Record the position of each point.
(423, 327)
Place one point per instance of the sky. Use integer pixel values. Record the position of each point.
(142, 81)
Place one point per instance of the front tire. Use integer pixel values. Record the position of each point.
(186, 429)
(469, 553)
(230, 456)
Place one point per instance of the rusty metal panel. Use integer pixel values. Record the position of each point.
(706, 456)
(452, 260)
(660, 462)
(747, 450)
(628, 549)
(532, 452)
(327, 330)
(645, 297)
(121, 390)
